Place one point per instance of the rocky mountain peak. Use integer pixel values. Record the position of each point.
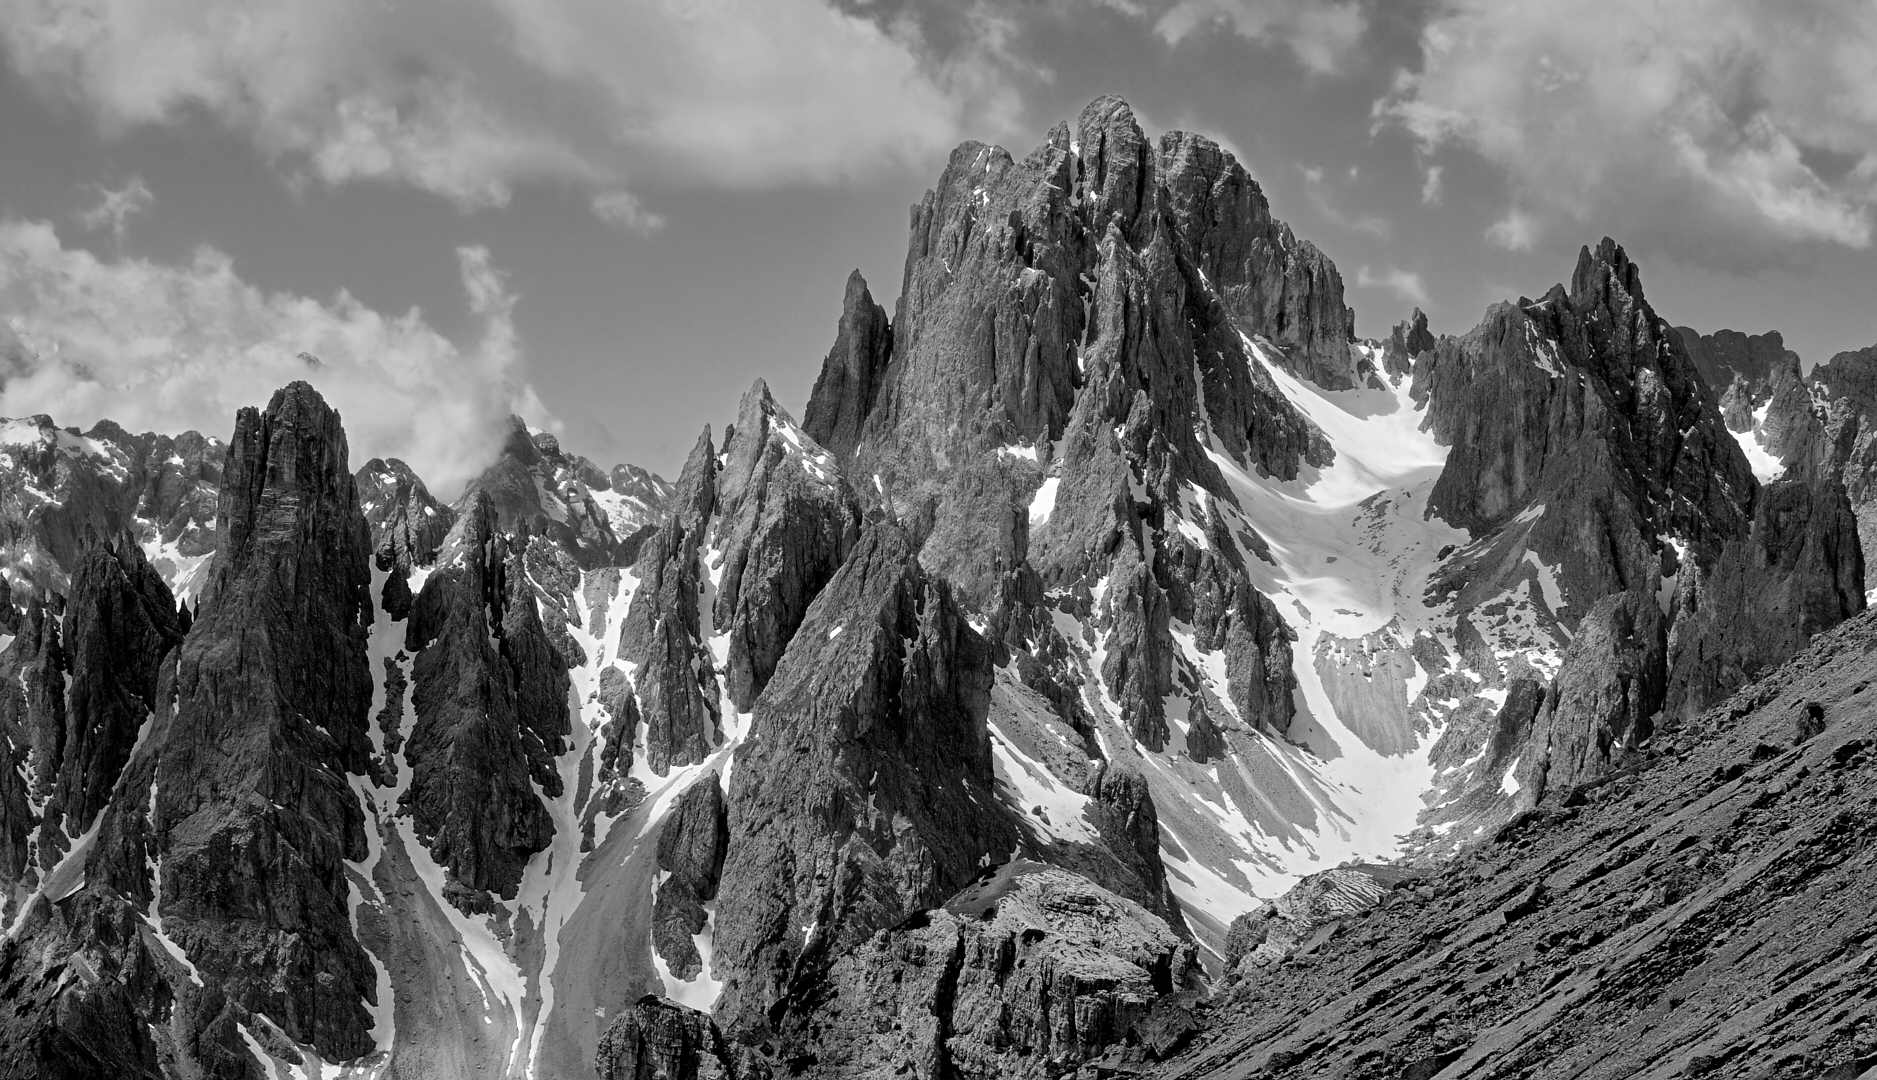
(537, 488)
(1406, 342)
(408, 526)
(852, 373)
(251, 805)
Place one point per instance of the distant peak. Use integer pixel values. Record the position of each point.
(1608, 263)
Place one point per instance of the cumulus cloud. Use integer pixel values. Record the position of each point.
(1323, 35)
(116, 207)
(1733, 130)
(168, 348)
(1404, 283)
(1430, 184)
(467, 98)
(1514, 232)
(623, 208)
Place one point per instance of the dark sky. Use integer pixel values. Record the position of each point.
(613, 216)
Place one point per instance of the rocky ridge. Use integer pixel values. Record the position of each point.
(58, 486)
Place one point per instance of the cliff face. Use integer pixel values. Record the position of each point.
(209, 891)
(866, 785)
(1587, 444)
(489, 697)
(58, 487)
(253, 814)
(1091, 341)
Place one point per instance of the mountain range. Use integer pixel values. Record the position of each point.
(1118, 669)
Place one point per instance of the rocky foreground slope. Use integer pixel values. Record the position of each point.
(1706, 913)
(982, 722)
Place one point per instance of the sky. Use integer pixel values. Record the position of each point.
(611, 216)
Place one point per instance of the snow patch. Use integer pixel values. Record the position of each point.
(1043, 503)
(1765, 465)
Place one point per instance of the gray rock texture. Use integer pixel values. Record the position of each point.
(1307, 916)
(655, 1039)
(62, 487)
(490, 696)
(217, 769)
(1605, 700)
(691, 847)
(1825, 428)
(120, 622)
(785, 521)
(1741, 369)
(254, 815)
(535, 487)
(865, 791)
(1585, 439)
(408, 527)
(1032, 972)
(851, 375)
(1406, 342)
(675, 683)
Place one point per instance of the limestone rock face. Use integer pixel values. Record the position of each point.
(272, 690)
(32, 716)
(1606, 698)
(1307, 917)
(675, 683)
(865, 791)
(536, 488)
(1406, 342)
(1827, 427)
(210, 886)
(785, 522)
(1523, 431)
(408, 527)
(636, 497)
(690, 851)
(655, 1039)
(852, 374)
(490, 695)
(120, 622)
(1798, 572)
(1741, 369)
(1030, 973)
(58, 487)
(1587, 444)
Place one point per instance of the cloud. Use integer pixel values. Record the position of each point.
(1405, 283)
(116, 207)
(1729, 130)
(468, 98)
(1514, 232)
(1323, 35)
(168, 348)
(623, 209)
(1430, 185)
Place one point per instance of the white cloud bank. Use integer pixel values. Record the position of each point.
(168, 348)
(466, 98)
(1737, 130)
